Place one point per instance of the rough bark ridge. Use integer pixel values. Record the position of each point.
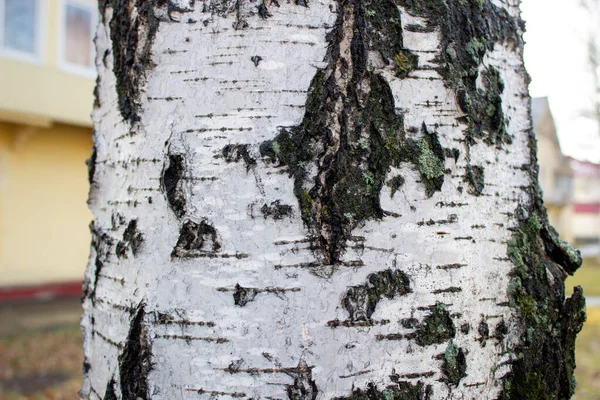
(320, 199)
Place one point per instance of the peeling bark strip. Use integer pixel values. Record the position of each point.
(333, 225)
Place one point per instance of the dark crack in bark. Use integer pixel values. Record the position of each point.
(172, 183)
(133, 27)
(351, 134)
(135, 361)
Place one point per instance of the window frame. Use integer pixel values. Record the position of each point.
(40, 46)
(63, 63)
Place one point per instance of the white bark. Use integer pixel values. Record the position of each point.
(206, 91)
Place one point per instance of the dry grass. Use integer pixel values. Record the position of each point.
(588, 358)
(41, 365)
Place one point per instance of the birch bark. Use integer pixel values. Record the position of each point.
(315, 199)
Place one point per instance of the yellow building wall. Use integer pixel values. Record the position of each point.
(44, 218)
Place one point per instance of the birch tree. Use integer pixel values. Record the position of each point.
(320, 199)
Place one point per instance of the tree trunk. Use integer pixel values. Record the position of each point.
(315, 199)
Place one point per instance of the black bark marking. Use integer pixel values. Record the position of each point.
(437, 327)
(400, 390)
(132, 30)
(256, 60)
(196, 238)
(484, 332)
(132, 240)
(395, 184)
(242, 295)
(465, 328)
(263, 10)
(475, 177)
(276, 210)
(110, 394)
(91, 165)
(172, 183)
(164, 318)
(135, 361)
(361, 301)
(454, 365)
(304, 387)
(500, 331)
(237, 152)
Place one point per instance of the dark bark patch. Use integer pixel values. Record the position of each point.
(400, 390)
(256, 60)
(352, 162)
(110, 393)
(242, 295)
(468, 30)
(132, 30)
(454, 365)
(172, 183)
(91, 165)
(263, 10)
(135, 361)
(475, 177)
(196, 238)
(465, 329)
(437, 327)
(500, 331)
(276, 210)
(550, 324)
(304, 387)
(395, 184)
(237, 152)
(484, 332)
(132, 240)
(361, 301)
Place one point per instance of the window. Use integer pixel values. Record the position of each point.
(77, 48)
(20, 29)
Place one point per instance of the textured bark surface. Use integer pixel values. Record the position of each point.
(316, 199)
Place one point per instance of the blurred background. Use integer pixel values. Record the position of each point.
(46, 84)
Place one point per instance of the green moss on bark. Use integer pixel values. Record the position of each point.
(352, 168)
(401, 390)
(546, 360)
